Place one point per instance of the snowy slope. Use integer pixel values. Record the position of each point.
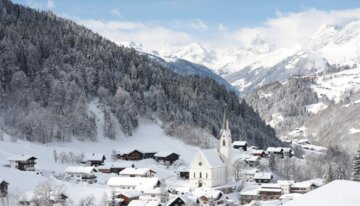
(142, 139)
(336, 193)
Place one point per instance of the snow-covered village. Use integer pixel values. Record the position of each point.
(162, 103)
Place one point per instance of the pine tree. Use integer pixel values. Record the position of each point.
(272, 162)
(329, 175)
(356, 167)
(340, 174)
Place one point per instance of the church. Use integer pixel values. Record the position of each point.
(213, 167)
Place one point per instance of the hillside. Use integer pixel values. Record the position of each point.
(51, 69)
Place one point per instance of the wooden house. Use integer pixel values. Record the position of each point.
(278, 151)
(23, 162)
(125, 197)
(149, 155)
(81, 174)
(263, 177)
(249, 193)
(132, 154)
(269, 192)
(137, 172)
(166, 157)
(114, 167)
(145, 185)
(253, 161)
(183, 172)
(240, 145)
(181, 200)
(259, 153)
(209, 197)
(94, 159)
(3, 188)
(303, 187)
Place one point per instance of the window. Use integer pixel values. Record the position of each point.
(200, 163)
(194, 174)
(224, 143)
(200, 175)
(206, 176)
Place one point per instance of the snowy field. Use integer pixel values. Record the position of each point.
(148, 137)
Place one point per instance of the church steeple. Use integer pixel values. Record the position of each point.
(226, 144)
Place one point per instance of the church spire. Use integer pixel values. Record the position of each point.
(225, 119)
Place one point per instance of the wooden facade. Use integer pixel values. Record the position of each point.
(3, 188)
(170, 158)
(134, 155)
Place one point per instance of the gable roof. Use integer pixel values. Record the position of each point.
(136, 171)
(164, 154)
(239, 143)
(212, 157)
(21, 158)
(128, 151)
(79, 169)
(187, 200)
(140, 183)
(274, 149)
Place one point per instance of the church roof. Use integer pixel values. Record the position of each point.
(212, 157)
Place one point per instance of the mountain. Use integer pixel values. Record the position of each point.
(262, 62)
(52, 71)
(323, 108)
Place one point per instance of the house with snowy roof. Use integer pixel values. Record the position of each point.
(263, 177)
(137, 172)
(81, 174)
(114, 167)
(3, 188)
(94, 159)
(258, 152)
(129, 154)
(304, 187)
(166, 157)
(23, 162)
(213, 167)
(278, 151)
(249, 193)
(253, 161)
(269, 191)
(145, 185)
(240, 145)
(181, 200)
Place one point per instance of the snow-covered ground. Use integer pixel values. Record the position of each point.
(148, 137)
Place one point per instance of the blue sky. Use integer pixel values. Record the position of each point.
(211, 22)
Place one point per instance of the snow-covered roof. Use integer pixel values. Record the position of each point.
(287, 149)
(304, 184)
(336, 193)
(136, 171)
(80, 170)
(239, 143)
(290, 196)
(253, 159)
(163, 154)
(140, 183)
(274, 149)
(270, 185)
(269, 189)
(186, 198)
(263, 175)
(94, 157)
(285, 182)
(257, 151)
(21, 158)
(250, 190)
(212, 157)
(143, 203)
(207, 193)
(127, 151)
(130, 193)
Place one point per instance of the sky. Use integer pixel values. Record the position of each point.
(162, 24)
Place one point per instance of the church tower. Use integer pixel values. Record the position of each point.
(225, 145)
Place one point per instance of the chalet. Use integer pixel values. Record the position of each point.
(181, 200)
(166, 157)
(263, 177)
(240, 145)
(249, 193)
(303, 187)
(23, 162)
(209, 197)
(125, 197)
(94, 159)
(253, 161)
(249, 174)
(3, 188)
(183, 172)
(137, 172)
(278, 151)
(259, 153)
(288, 152)
(58, 199)
(149, 155)
(145, 185)
(114, 167)
(81, 174)
(131, 154)
(269, 191)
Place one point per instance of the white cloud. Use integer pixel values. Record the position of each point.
(50, 4)
(198, 24)
(293, 28)
(151, 36)
(115, 12)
